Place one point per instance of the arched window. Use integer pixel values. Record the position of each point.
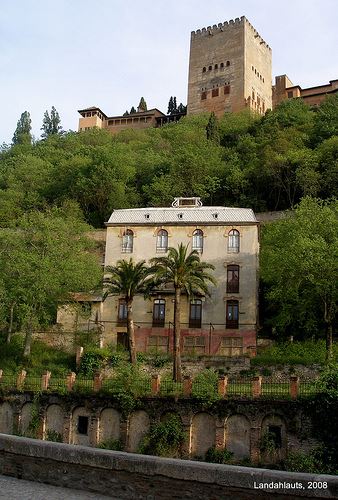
(197, 240)
(210, 68)
(233, 279)
(162, 241)
(127, 241)
(159, 312)
(233, 241)
(204, 69)
(195, 315)
(228, 63)
(216, 66)
(222, 65)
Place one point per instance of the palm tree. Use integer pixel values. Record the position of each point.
(128, 279)
(187, 274)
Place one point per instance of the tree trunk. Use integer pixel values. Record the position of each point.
(131, 332)
(329, 342)
(177, 369)
(10, 326)
(28, 341)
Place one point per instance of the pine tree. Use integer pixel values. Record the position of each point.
(212, 129)
(133, 110)
(181, 108)
(51, 123)
(143, 105)
(170, 106)
(22, 134)
(126, 113)
(174, 105)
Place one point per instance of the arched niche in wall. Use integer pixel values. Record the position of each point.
(109, 425)
(203, 434)
(238, 436)
(139, 424)
(54, 423)
(273, 438)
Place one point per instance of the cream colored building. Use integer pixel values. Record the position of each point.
(226, 237)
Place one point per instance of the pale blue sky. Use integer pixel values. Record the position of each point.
(78, 53)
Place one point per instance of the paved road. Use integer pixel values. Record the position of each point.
(19, 489)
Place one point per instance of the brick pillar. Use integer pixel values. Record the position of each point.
(155, 385)
(256, 386)
(222, 386)
(97, 381)
(220, 434)
(79, 353)
(255, 443)
(187, 386)
(45, 380)
(294, 386)
(21, 379)
(70, 381)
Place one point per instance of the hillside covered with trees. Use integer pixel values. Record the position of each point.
(266, 163)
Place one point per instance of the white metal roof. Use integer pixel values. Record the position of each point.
(182, 215)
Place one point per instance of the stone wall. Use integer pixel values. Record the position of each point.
(238, 425)
(130, 476)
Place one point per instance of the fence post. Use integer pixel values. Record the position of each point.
(155, 385)
(21, 379)
(294, 386)
(70, 381)
(222, 386)
(79, 353)
(97, 381)
(256, 386)
(187, 386)
(45, 380)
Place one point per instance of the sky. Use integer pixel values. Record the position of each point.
(73, 54)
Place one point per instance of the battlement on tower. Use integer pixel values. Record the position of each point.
(225, 26)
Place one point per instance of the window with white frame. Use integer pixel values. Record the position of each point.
(197, 240)
(162, 241)
(233, 241)
(127, 241)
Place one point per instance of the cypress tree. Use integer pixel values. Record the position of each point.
(212, 129)
(22, 134)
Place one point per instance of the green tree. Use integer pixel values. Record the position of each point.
(42, 261)
(132, 110)
(299, 263)
(186, 273)
(181, 108)
(326, 119)
(142, 105)
(212, 129)
(128, 279)
(126, 113)
(51, 123)
(22, 134)
(172, 106)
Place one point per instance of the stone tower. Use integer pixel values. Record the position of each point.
(229, 69)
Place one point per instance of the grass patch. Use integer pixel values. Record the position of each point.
(43, 357)
(306, 353)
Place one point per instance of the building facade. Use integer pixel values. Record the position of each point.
(225, 322)
(313, 96)
(229, 69)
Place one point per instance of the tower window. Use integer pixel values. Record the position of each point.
(204, 69)
(210, 68)
(215, 92)
(226, 89)
(228, 63)
(203, 96)
(222, 65)
(216, 66)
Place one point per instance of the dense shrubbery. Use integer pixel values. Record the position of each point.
(165, 438)
(293, 353)
(218, 456)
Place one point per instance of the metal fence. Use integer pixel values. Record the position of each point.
(8, 382)
(170, 388)
(239, 387)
